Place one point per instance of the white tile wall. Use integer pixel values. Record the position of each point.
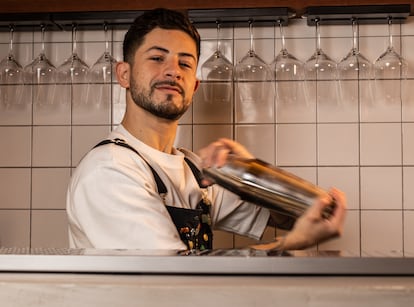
(361, 145)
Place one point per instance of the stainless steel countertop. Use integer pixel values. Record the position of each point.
(216, 262)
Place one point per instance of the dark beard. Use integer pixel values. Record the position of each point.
(165, 109)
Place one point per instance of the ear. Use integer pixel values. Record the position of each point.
(196, 85)
(123, 72)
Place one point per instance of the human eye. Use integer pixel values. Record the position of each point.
(156, 58)
(188, 64)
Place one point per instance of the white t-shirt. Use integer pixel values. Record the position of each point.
(113, 202)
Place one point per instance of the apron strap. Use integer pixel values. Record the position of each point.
(162, 189)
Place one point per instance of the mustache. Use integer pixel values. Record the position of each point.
(169, 83)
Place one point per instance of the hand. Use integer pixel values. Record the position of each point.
(217, 152)
(311, 228)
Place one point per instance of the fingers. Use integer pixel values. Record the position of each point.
(216, 153)
(338, 217)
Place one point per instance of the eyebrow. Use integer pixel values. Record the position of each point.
(184, 54)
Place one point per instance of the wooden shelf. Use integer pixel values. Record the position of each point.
(60, 14)
(48, 6)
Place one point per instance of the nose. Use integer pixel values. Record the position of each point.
(172, 69)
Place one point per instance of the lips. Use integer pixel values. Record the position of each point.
(170, 86)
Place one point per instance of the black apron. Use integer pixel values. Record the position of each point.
(193, 225)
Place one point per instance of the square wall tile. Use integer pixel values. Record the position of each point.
(408, 143)
(187, 117)
(184, 137)
(344, 178)
(378, 110)
(408, 101)
(302, 110)
(97, 107)
(381, 188)
(15, 188)
(380, 144)
(254, 102)
(205, 134)
(343, 106)
(350, 239)
(57, 108)
(381, 232)
(295, 144)
(51, 146)
(118, 104)
(49, 228)
(43, 197)
(84, 138)
(408, 191)
(15, 228)
(407, 46)
(338, 144)
(408, 233)
(213, 103)
(16, 150)
(258, 139)
(13, 115)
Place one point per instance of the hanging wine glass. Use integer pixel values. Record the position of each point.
(11, 77)
(355, 73)
(71, 76)
(389, 69)
(41, 73)
(217, 72)
(321, 75)
(100, 77)
(254, 86)
(289, 75)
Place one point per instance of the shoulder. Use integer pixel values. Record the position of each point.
(191, 156)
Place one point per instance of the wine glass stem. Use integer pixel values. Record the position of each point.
(355, 46)
(106, 38)
(74, 39)
(251, 35)
(42, 38)
(318, 35)
(390, 43)
(218, 36)
(282, 35)
(11, 40)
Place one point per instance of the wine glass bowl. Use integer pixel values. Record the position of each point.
(71, 77)
(289, 75)
(100, 77)
(11, 78)
(389, 69)
(353, 69)
(217, 71)
(40, 74)
(321, 75)
(217, 74)
(253, 76)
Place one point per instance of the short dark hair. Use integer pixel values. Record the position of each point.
(149, 20)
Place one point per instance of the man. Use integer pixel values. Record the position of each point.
(137, 191)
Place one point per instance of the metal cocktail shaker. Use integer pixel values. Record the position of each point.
(266, 185)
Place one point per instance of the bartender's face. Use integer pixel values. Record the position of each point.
(163, 76)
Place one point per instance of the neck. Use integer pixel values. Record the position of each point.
(156, 132)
